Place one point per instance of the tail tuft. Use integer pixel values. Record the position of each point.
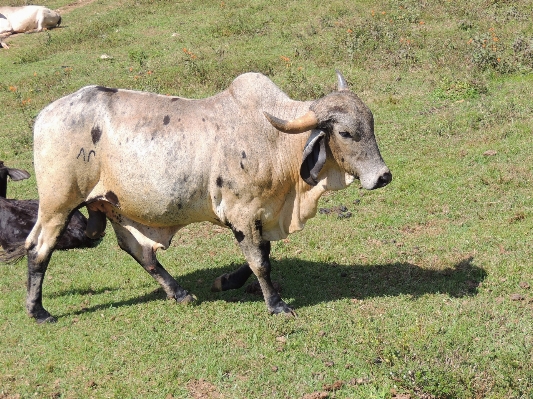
(13, 253)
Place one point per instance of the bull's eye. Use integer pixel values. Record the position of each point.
(346, 135)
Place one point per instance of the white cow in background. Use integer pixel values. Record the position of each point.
(5, 30)
(26, 19)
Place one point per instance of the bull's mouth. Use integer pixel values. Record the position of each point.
(382, 180)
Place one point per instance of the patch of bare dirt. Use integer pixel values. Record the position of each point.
(316, 395)
(202, 389)
(402, 396)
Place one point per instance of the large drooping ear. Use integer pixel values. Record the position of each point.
(17, 174)
(314, 157)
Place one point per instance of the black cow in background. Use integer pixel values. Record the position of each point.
(17, 218)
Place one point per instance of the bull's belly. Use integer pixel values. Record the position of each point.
(153, 210)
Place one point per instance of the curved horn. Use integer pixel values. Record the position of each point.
(299, 125)
(342, 84)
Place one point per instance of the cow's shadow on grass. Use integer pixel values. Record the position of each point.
(305, 283)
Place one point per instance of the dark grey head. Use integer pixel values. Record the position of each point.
(343, 123)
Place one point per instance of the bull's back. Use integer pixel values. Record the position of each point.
(140, 151)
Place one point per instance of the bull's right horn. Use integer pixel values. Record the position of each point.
(299, 125)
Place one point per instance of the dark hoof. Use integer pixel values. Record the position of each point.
(43, 317)
(282, 308)
(187, 299)
(49, 319)
(218, 284)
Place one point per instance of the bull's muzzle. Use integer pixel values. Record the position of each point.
(384, 179)
(376, 180)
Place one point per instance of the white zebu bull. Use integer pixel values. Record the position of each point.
(153, 164)
(26, 19)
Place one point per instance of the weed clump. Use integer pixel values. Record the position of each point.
(456, 90)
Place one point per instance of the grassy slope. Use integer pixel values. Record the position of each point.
(412, 294)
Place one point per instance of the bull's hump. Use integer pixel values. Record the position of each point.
(255, 85)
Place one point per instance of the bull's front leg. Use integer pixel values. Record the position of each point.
(256, 250)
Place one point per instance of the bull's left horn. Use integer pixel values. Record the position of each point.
(299, 125)
(341, 82)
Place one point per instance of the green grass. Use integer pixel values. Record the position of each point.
(422, 293)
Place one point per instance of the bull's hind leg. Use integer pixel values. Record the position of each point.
(144, 254)
(40, 245)
(230, 281)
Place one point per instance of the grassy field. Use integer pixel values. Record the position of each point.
(424, 292)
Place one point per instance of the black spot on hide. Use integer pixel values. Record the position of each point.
(219, 181)
(112, 198)
(243, 154)
(239, 235)
(174, 99)
(106, 89)
(96, 133)
(259, 226)
(166, 120)
(203, 119)
(264, 247)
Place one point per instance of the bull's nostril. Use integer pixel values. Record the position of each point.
(384, 179)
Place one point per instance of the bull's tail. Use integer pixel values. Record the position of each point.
(12, 253)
